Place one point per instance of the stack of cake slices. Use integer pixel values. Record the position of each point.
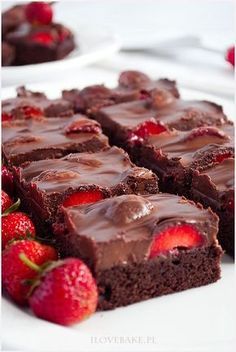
(134, 180)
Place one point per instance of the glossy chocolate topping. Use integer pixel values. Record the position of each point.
(121, 229)
(24, 136)
(132, 85)
(186, 146)
(26, 98)
(222, 174)
(177, 113)
(105, 169)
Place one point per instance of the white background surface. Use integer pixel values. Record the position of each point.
(202, 319)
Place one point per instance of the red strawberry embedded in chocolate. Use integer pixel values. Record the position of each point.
(149, 128)
(6, 116)
(83, 197)
(183, 236)
(43, 38)
(29, 112)
(207, 131)
(221, 157)
(39, 12)
(6, 201)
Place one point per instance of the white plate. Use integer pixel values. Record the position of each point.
(92, 46)
(201, 319)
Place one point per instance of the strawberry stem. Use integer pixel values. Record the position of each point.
(12, 208)
(29, 263)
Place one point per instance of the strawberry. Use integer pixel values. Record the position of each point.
(38, 12)
(221, 157)
(66, 293)
(184, 235)
(42, 38)
(83, 197)
(7, 180)
(31, 112)
(16, 225)
(230, 55)
(149, 128)
(6, 116)
(6, 201)
(15, 273)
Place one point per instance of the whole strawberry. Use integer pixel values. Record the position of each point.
(66, 294)
(39, 13)
(6, 201)
(230, 55)
(16, 274)
(7, 180)
(16, 225)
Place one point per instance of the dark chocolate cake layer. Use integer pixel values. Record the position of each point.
(142, 242)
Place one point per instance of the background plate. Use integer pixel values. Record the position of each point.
(200, 319)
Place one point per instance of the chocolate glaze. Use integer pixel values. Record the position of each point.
(104, 169)
(222, 174)
(132, 85)
(23, 138)
(48, 107)
(186, 147)
(8, 54)
(120, 230)
(175, 113)
(12, 18)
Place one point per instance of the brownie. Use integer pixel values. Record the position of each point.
(37, 44)
(29, 140)
(132, 85)
(174, 155)
(128, 121)
(46, 184)
(213, 186)
(8, 54)
(12, 19)
(117, 238)
(30, 104)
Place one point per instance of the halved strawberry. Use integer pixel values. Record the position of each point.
(42, 38)
(149, 128)
(31, 112)
(221, 157)
(185, 236)
(83, 197)
(6, 116)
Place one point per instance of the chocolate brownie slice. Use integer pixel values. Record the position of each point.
(36, 44)
(77, 179)
(213, 186)
(35, 105)
(140, 247)
(28, 140)
(174, 155)
(133, 120)
(132, 85)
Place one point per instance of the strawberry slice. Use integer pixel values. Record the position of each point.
(185, 236)
(42, 38)
(221, 157)
(83, 197)
(6, 116)
(31, 112)
(149, 128)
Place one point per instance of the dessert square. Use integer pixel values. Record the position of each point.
(28, 140)
(34, 105)
(140, 247)
(128, 122)
(43, 43)
(132, 85)
(79, 178)
(213, 186)
(174, 155)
